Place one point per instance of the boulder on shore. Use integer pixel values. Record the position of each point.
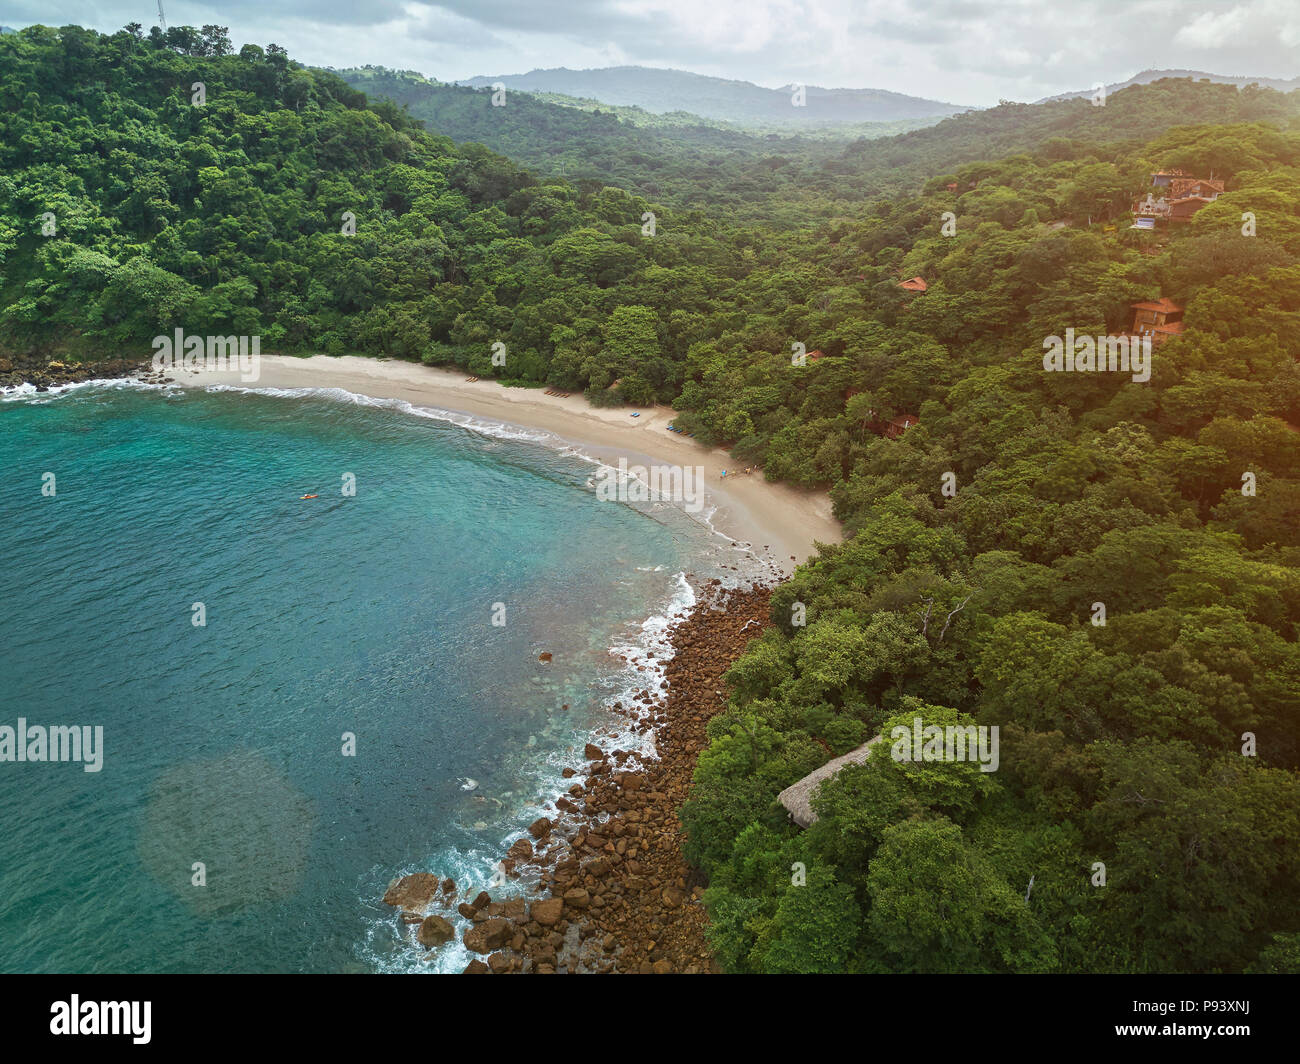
(488, 936)
(547, 911)
(412, 892)
(434, 931)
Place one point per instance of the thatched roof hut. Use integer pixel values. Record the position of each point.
(797, 798)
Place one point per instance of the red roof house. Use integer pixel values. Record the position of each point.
(915, 284)
(899, 425)
(1159, 318)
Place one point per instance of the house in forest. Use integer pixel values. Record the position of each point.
(891, 429)
(897, 426)
(914, 284)
(1158, 318)
(798, 797)
(1181, 210)
(1151, 207)
(1185, 196)
(1164, 178)
(1207, 187)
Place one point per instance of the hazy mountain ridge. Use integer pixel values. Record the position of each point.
(1145, 77)
(660, 91)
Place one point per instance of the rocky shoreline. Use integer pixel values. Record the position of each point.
(44, 373)
(612, 891)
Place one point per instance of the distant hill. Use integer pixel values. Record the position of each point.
(1148, 76)
(1066, 128)
(673, 158)
(661, 91)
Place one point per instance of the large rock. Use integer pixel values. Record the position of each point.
(434, 931)
(547, 911)
(577, 898)
(592, 752)
(488, 936)
(414, 891)
(539, 828)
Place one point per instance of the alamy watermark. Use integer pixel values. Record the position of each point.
(667, 483)
(58, 742)
(102, 1017)
(211, 354)
(1098, 354)
(953, 742)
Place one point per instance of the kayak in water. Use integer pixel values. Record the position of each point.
(309, 496)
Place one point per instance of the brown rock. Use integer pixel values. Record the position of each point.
(592, 752)
(488, 936)
(577, 898)
(539, 828)
(522, 850)
(412, 892)
(434, 931)
(476, 967)
(547, 911)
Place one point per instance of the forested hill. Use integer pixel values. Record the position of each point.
(1146, 76)
(1067, 128)
(685, 161)
(759, 177)
(1106, 569)
(660, 91)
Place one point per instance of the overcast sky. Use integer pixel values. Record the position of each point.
(962, 51)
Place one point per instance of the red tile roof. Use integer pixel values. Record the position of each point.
(1162, 305)
(900, 424)
(916, 284)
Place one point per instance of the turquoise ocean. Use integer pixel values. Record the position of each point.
(367, 615)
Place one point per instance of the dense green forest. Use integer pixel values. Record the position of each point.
(678, 159)
(1121, 743)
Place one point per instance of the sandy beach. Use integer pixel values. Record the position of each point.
(781, 522)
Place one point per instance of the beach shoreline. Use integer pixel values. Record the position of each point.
(780, 522)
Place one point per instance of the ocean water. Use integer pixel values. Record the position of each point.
(368, 615)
